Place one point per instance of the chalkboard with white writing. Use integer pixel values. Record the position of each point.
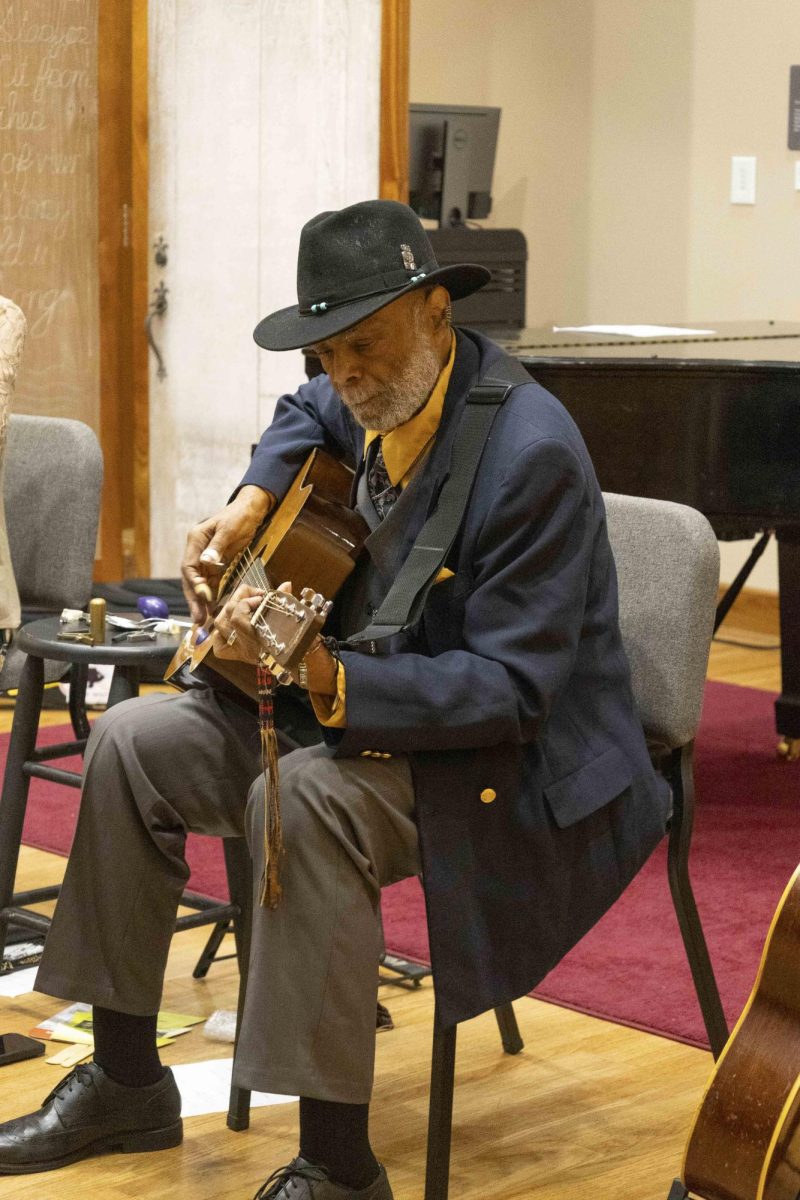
(48, 199)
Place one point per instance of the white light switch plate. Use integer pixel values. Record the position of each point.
(743, 179)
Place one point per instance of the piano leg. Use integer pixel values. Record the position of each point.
(787, 706)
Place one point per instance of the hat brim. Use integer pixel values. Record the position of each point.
(289, 329)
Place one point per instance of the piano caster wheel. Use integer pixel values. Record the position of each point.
(789, 748)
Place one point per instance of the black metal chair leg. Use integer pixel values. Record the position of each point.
(440, 1111)
(680, 835)
(16, 783)
(240, 884)
(678, 1191)
(239, 870)
(509, 1030)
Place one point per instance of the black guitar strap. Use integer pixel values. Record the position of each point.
(405, 599)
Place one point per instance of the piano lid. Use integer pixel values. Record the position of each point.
(775, 341)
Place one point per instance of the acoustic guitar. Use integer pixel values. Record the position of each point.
(312, 539)
(745, 1141)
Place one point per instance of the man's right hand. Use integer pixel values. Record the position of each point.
(212, 544)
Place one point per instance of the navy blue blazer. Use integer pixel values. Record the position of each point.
(514, 682)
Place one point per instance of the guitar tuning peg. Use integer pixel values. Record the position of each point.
(318, 601)
(282, 676)
(326, 608)
(307, 595)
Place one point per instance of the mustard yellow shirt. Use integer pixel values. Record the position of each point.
(403, 448)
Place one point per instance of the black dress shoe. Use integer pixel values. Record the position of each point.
(301, 1180)
(87, 1113)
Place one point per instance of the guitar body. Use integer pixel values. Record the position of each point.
(745, 1143)
(312, 539)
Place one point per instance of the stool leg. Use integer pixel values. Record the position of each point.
(78, 678)
(16, 783)
(210, 949)
(124, 685)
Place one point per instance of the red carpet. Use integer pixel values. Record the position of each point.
(631, 967)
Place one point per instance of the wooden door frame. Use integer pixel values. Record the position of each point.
(140, 298)
(124, 253)
(395, 33)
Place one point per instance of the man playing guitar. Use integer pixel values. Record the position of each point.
(491, 744)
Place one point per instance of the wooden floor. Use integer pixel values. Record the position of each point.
(588, 1109)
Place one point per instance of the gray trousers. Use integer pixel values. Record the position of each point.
(160, 766)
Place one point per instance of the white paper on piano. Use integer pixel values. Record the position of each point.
(642, 331)
(205, 1088)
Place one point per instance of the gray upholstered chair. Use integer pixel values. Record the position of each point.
(667, 560)
(53, 477)
(668, 570)
(668, 567)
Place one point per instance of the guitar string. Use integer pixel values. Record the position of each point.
(251, 570)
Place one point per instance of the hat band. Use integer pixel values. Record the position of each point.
(374, 285)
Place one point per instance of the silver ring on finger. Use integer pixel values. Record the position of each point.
(231, 638)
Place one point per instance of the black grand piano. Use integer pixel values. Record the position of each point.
(710, 420)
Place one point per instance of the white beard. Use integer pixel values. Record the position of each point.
(398, 400)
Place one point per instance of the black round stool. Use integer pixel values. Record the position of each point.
(39, 641)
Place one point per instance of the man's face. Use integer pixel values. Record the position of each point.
(385, 368)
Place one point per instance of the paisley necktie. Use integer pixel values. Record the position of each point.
(379, 485)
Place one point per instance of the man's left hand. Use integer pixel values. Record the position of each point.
(232, 623)
(234, 618)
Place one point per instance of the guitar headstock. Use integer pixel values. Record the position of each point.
(287, 626)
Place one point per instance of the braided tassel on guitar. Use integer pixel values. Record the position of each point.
(270, 892)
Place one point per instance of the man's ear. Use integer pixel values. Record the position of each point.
(438, 304)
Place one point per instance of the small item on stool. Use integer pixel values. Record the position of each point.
(152, 606)
(73, 635)
(72, 614)
(135, 635)
(97, 619)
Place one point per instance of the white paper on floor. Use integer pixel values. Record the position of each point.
(18, 983)
(205, 1088)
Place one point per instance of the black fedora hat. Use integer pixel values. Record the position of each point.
(352, 263)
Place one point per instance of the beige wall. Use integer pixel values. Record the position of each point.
(639, 169)
(533, 58)
(619, 121)
(744, 261)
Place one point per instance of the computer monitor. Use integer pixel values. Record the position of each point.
(451, 160)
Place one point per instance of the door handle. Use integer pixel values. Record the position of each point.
(158, 306)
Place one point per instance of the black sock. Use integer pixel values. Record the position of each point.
(336, 1136)
(125, 1047)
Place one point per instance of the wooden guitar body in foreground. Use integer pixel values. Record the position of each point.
(312, 540)
(744, 1144)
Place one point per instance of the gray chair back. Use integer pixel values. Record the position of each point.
(667, 560)
(53, 477)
